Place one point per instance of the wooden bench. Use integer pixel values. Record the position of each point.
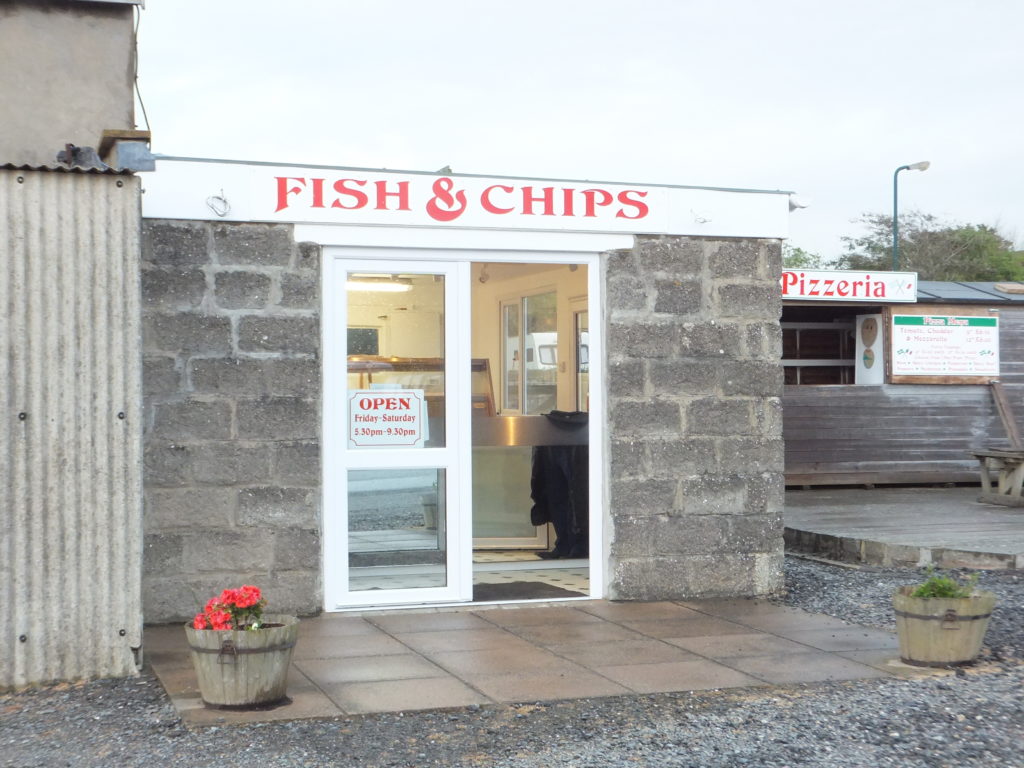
(1007, 463)
(1009, 466)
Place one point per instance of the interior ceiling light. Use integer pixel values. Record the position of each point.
(385, 285)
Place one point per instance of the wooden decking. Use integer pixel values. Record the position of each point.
(947, 527)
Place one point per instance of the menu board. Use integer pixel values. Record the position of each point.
(945, 345)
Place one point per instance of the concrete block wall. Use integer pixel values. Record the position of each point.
(231, 380)
(694, 391)
(232, 417)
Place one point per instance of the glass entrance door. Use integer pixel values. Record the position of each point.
(396, 433)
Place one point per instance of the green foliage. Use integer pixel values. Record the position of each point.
(798, 258)
(937, 585)
(936, 250)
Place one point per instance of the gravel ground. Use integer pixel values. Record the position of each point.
(975, 718)
(862, 595)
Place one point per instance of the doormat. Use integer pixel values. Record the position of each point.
(521, 590)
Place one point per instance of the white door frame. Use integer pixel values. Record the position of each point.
(454, 458)
(462, 248)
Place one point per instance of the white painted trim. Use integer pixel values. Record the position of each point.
(482, 239)
(455, 458)
(598, 469)
(448, 607)
(460, 536)
(333, 484)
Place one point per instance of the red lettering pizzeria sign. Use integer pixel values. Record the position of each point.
(386, 418)
(827, 285)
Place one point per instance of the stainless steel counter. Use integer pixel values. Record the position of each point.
(509, 431)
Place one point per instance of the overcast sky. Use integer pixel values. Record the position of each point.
(822, 98)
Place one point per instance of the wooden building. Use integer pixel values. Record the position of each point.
(845, 424)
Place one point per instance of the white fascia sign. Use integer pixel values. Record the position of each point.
(183, 188)
(835, 285)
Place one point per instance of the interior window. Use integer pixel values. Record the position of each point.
(363, 341)
(582, 327)
(531, 387)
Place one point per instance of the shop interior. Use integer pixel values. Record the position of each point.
(529, 405)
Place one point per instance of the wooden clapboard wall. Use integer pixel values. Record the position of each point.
(900, 433)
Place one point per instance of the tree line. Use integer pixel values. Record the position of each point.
(935, 249)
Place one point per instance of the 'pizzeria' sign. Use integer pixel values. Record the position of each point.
(827, 285)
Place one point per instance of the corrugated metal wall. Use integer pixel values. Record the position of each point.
(70, 444)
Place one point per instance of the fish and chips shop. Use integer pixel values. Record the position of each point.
(370, 388)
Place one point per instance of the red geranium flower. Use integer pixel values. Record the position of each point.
(247, 596)
(240, 608)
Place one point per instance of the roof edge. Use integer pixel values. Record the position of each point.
(740, 190)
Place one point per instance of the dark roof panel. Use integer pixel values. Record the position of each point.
(58, 168)
(967, 293)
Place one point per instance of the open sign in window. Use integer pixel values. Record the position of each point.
(386, 418)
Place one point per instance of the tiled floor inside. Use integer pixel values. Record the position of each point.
(568, 577)
(489, 567)
(447, 658)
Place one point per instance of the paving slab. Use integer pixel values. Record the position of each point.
(690, 675)
(414, 660)
(807, 667)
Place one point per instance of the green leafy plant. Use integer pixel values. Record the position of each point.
(937, 585)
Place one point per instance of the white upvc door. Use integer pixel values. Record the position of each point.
(396, 429)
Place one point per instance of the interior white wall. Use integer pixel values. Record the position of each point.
(410, 323)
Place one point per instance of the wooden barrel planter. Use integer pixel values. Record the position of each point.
(243, 668)
(941, 631)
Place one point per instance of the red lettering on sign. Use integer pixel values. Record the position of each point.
(490, 207)
(360, 198)
(284, 191)
(402, 194)
(385, 403)
(318, 193)
(567, 206)
(547, 197)
(449, 203)
(591, 197)
(641, 207)
(444, 206)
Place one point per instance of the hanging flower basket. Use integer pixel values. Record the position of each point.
(241, 657)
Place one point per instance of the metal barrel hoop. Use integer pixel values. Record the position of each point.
(944, 617)
(229, 649)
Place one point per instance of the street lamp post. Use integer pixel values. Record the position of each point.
(922, 166)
